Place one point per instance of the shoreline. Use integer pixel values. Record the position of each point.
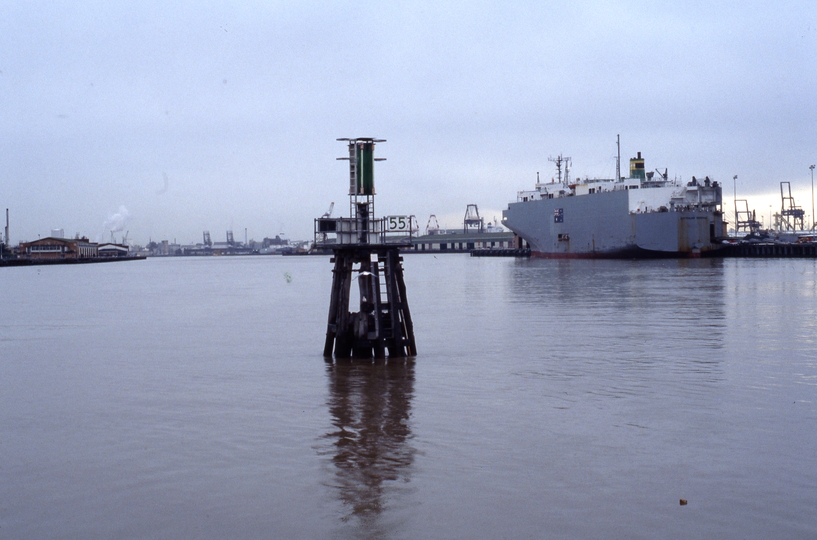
(47, 262)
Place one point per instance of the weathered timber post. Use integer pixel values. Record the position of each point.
(370, 247)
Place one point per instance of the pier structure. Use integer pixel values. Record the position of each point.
(366, 249)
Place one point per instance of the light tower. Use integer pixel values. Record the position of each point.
(369, 247)
(813, 217)
(4, 241)
(735, 200)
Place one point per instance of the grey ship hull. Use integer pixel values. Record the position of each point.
(601, 225)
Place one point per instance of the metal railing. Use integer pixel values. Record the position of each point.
(391, 230)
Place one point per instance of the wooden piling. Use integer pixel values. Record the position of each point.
(382, 324)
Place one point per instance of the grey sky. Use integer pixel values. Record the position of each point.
(197, 116)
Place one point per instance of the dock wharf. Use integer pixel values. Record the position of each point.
(771, 250)
(52, 262)
(504, 252)
(765, 250)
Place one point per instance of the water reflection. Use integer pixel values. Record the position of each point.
(624, 319)
(685, 293)
(371, 449)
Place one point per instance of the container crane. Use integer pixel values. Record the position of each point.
(328, 213)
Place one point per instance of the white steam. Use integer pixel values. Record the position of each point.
(116, 223)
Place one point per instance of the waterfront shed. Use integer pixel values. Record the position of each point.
(59, 248)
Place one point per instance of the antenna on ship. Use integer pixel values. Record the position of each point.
(558, 160)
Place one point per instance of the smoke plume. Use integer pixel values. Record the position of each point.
(117, 222)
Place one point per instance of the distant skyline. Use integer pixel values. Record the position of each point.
(166, 120)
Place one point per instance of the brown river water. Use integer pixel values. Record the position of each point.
(188, 398)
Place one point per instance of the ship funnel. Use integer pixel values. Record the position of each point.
(637, 167)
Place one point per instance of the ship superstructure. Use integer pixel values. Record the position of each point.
(644, 215)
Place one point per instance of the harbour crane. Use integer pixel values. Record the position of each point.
(472, 220)
(328, 213)
(792, 217)
(432, 227)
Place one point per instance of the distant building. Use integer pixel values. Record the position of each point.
(59, 248)
(274, 242)
(113, 250)
(225, 248)
(463, 242)
(166, 248)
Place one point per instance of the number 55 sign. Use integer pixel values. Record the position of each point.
(398, 223)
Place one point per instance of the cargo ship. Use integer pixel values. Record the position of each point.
(644, 215)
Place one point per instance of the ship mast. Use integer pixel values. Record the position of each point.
(559, 160)
(618, 158)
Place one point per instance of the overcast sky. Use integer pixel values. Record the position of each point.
(170, 118)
